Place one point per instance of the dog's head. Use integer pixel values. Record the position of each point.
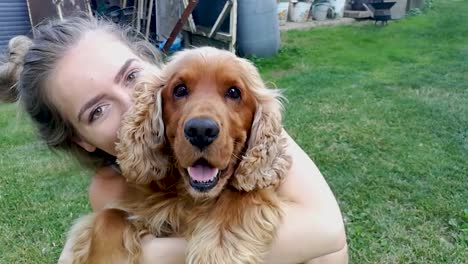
(222, 125)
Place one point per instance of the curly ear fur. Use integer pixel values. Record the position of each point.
(265, 162)
(141, 136)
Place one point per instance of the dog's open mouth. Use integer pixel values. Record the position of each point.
(203, 176)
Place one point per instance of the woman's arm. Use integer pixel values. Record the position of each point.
(312, 226)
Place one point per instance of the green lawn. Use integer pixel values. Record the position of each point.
(383, 111)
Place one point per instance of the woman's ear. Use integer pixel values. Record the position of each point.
(84, 144)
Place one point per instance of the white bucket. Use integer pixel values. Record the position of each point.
(339, 6)
(299, 12)
(320, 11)
(283, 8)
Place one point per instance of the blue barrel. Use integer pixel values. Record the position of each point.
(257, 28)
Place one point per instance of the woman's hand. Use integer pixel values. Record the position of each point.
(163, 250)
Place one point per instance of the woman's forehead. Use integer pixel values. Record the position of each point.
(96, 56)
(98, 47)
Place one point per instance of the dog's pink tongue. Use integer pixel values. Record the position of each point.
(202, 173)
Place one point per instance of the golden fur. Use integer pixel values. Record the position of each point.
(233, 222)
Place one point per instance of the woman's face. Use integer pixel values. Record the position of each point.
(92, 85)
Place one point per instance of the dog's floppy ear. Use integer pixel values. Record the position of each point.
(141, 136)
(265, 162)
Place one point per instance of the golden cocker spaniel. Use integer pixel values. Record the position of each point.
(204, 152)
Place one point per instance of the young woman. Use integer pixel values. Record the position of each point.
(75, 80)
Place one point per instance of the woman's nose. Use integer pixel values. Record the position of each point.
(125, 98)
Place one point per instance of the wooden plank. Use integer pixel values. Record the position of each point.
(167, 14)
(369, 9)
(221, 17)
(221, 36)
(191, 22)
(156, 20)
(148, 19)
(139, 14)
(233, 27)
(59, 9)
(134, 14)
(178, 27)
(199, 41)
(143, 10)
(90, 10)
(356, 14)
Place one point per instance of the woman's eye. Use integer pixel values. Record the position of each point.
(96, 113)
(233, 93)
(132, 76)
(180, 91)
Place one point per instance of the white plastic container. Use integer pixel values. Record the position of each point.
(320, 11)
(299, 12)
(339, 6)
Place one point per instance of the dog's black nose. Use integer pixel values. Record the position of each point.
(201, 132)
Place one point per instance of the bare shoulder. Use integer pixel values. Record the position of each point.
(305, 183)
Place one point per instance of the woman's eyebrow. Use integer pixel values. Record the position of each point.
(123, 69)
(89, 104)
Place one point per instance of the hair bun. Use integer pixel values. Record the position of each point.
(11, 66)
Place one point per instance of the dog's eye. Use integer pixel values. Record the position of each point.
(233, 93)
(180, 91)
